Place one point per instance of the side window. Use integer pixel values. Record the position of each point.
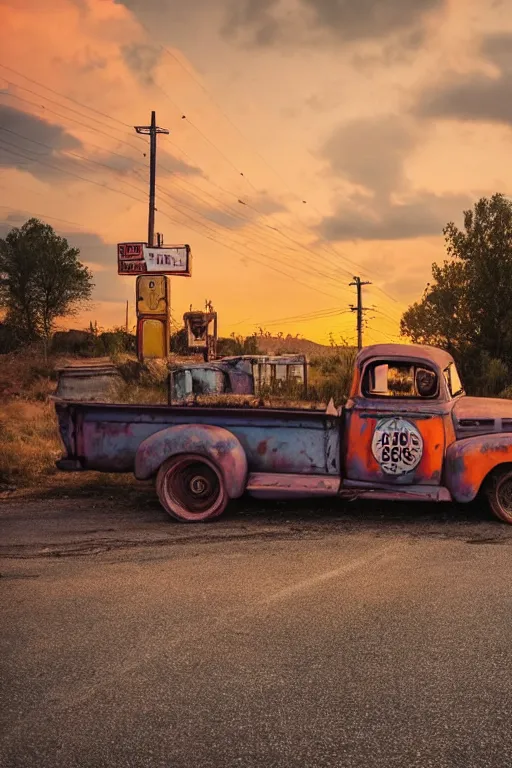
(386, 379)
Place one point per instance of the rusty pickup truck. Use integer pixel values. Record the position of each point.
(407, 432)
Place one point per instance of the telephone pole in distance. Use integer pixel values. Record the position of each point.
(151, 131)
(359, 308)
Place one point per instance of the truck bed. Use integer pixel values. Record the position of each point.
(105, 437)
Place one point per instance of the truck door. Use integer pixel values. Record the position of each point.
(395, 433)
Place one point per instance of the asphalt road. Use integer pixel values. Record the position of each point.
(279, 636)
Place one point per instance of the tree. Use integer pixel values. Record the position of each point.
(467, 309)
(42, 280)
(442, 318)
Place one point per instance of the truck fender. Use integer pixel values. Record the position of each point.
(216, 443)
(470, 461)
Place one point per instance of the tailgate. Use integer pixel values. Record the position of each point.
(66, 416)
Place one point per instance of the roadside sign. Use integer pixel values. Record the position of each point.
(139, 258)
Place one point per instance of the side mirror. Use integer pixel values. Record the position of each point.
(426, 382)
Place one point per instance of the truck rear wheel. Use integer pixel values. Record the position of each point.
(499, 494)
(191, 488)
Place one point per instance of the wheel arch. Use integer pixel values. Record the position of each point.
(219, 445)
(471, 462)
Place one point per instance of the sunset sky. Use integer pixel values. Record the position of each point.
(310, 141)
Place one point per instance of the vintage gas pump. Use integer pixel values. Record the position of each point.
(153, 316)
(201, 330)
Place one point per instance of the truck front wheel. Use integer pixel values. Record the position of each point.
(191, 488)
(499, 494)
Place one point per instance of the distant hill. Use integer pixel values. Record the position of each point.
(273, 345)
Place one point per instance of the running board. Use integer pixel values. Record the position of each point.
(269, 485)
(353, 489)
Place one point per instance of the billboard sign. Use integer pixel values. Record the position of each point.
(139, 258)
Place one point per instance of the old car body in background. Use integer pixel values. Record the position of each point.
(242, 375)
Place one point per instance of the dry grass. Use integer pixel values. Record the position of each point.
(29, 441)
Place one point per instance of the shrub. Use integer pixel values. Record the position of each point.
(331, 376)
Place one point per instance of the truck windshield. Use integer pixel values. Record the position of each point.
(453, 380)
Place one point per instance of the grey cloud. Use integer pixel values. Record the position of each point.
(35, 146)
(167, 11)
(142, 60)
(21, 139)
(94, 250)
(17, 122)
(422, 214)
(168, 165)
(476, 97)
(266, 205)
(255, 16)
(371, 152)
(364, 19)
(409, 284)
(231, 214)
(270, 22)
(398, 49)
(266, 22)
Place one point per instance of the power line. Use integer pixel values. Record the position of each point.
(71, 119)
(237, 129)
(386, 336)
(302, 318)
(121, 192)
(258, 261)
(386, 316)
(64, 96)
(63, 170)
(279, 231)
(45, 216)
(306, 268)
(115, 170)
(283, 234)
(138, 200)
(184, 117)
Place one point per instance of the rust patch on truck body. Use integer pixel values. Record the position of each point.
(469, 462)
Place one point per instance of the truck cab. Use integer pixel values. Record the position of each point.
(409, 431)
(397, 421)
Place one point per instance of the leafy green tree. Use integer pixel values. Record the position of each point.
(442, 318)
(467, 309)
(42, 280)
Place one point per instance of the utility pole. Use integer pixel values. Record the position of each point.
(126, 322)
(359, 308)
(151, 131)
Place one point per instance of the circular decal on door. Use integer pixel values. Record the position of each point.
(397, 445)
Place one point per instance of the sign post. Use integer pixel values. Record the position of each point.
(153, 266)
